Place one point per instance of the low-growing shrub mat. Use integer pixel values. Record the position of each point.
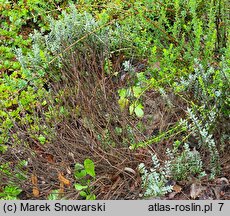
(60, 115)
(116, 166)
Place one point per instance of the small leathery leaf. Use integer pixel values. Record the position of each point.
(63, 180)
(36, 192)
(177, 188)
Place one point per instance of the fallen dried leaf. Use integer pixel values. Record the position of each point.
(61, 189)
(36, 192)
(63, 180)
(195, 190)
(68, 170)
(177, 188)
(172, 195)
(34, 180)
(50, 158)
(222, 193)
(222, 180)
(130, 170)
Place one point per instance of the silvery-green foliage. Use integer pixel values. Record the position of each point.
(128, 67)
(57, 44)
(209, 85)
(154, 181)
(70, 28)
(186, 163)
(73, 26)
(20, 57)
(180, 165)
(210, 88)
(34, 64)
(201, 130)
(74, 33)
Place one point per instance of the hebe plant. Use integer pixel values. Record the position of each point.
(186, 163)
(180, 165)
(206, 141)
(154, 181)
(210, 89)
